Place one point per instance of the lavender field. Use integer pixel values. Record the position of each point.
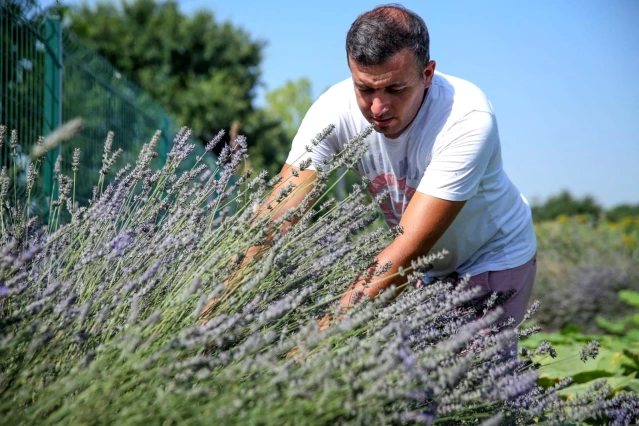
(103, 319)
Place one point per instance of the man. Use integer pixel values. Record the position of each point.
(436, 149)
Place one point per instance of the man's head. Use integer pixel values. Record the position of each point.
(388, 54)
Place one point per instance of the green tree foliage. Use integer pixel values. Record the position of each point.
(286, 107)
(289, 103)
(621, 211)
(201, 71)
(566, 204)
(271, 148)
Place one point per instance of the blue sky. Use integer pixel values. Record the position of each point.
(563, 76)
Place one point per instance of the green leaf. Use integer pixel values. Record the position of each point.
(633, 356)
(618, 343)
(634, 319)
(616, 383)
(590, 375)
(630, 297)
(619, 383)
(531, 342)
(546, 382)
(612, 327)
(610, 361)
(567, 363)
(571, 329)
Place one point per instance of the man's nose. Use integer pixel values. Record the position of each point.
(379, 106)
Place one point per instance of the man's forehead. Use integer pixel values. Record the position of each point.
(379, 83)
(380, 79)
(397, 71)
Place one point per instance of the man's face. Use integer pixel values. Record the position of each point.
(389, 95)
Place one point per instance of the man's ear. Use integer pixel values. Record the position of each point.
(429, 72)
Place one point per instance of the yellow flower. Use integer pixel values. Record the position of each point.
(562, 218)
(627, 240)
(581, 218)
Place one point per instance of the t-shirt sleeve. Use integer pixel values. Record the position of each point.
(456, 170)
(323, 113)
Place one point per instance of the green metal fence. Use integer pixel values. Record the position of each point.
(48, 76)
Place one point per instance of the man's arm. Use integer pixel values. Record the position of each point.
(425, 220)
(303, 184)
(452, 177)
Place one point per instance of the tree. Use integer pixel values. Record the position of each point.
(565, 204)
(290, 103)
(202, 72)
(621, 211)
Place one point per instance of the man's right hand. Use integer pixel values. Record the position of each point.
(302, 180)
(206, 310)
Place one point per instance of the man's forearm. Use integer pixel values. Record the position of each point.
(424, 222)
(277, 210)
(399, 256)
(302, 181)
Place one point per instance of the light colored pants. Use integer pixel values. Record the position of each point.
(521, 279)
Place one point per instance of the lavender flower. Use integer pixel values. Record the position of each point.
(114, 299)
(213, 142)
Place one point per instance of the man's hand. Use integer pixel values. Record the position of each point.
(323, 324)
(302, 180)
(425, 220)
(354, 294)
(233, 279)
(206, 310)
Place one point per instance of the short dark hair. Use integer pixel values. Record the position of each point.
(379, 34)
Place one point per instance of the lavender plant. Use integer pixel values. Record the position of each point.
(101, 315)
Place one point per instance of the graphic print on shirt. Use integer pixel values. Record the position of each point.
(401, 180)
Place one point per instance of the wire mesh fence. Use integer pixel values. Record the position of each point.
(47, 77)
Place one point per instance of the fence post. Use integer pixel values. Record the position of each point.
(165, 140)
(52, 108)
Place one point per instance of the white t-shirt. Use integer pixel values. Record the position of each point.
(451, 151)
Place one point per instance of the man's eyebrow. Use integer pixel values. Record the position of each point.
(394, 85)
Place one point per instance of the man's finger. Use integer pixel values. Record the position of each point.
(207, 309)
(291, 352)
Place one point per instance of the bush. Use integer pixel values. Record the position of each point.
(581, 268)
(101, 314)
